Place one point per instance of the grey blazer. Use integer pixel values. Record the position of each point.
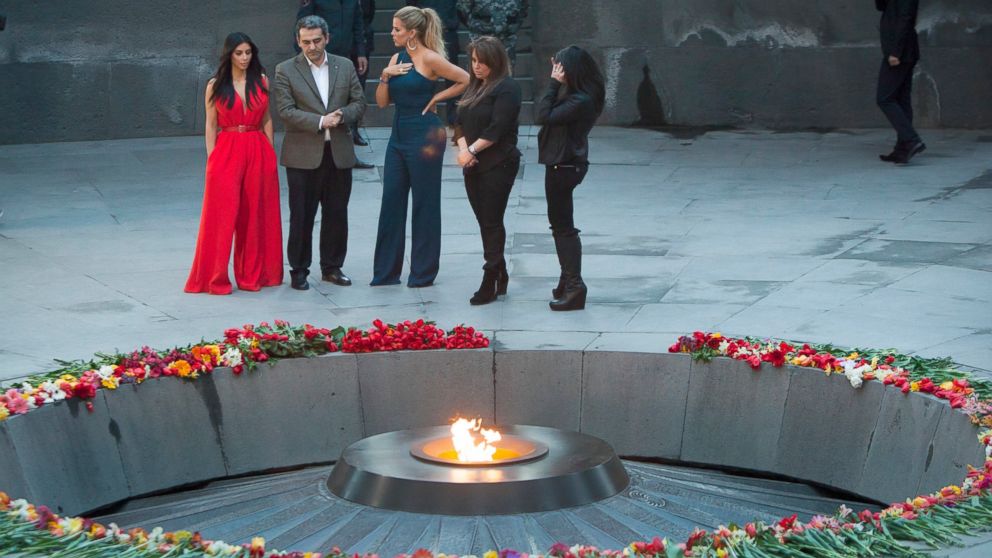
(299, 105)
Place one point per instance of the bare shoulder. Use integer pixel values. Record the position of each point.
(210, 85)
(432, 58)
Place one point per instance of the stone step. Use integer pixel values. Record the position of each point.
(384, 42)
(375, 116)
(522, 69)
(383, 20)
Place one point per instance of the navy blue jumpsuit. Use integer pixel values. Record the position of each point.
(413, 163)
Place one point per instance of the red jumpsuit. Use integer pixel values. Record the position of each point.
(240, 200)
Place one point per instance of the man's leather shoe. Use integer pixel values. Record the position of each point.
(337, 278)
(299, 283)
(911, 149)
(891, 157)
(358, 140)
(360, 164)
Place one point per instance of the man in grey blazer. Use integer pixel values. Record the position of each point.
(318, 96)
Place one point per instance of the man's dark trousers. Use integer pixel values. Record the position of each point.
(895, 97)
(330, 188)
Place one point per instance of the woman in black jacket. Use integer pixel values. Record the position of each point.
(566, 113)
(486, 133)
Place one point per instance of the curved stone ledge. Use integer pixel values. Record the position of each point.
(791, 421)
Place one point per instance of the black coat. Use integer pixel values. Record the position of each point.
(898, 29)
(565, 124)
(344, 21)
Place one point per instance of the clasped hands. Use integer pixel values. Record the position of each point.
(331, 119)
(466, 159)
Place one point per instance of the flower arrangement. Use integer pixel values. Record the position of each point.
(901, 529)
(242, 348)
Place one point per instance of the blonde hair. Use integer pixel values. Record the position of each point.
(427, 24)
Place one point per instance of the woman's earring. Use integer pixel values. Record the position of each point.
(414, 47)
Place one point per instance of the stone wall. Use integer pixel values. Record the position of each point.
(789, 421)
(114, 69)
(771, 63)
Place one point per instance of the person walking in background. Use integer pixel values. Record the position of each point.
(416, 147)
(447, 10)
(368, 38)
(318, 95)
(346, 38)
(486, 132)
(567, 112)
(241, 192)
(900, 53)
(498, 18)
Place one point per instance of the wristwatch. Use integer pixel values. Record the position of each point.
(473, 151)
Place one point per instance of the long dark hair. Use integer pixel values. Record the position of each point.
(582, 74)
(224, 81)
(491, 52)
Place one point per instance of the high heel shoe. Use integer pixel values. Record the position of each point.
(502, 280)
(487, 290)
(573, 297)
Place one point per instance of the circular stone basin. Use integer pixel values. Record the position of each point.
(563, 469)
(511, 449)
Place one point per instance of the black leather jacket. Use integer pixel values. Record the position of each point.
(565, 124)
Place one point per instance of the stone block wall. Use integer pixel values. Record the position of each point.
(789, 421)
(770, 63)
(107, 69)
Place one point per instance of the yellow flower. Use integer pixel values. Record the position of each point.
(947, 385)
(258, 543)
(181, 368)
(67, 378)
(721, 553)
(920, 502)
(4, 413)
(914, 386)
(75, 524)
(717, 335)
(853, 356)
(111, 382)
(874, 362)
(181, 537)
(490, 554)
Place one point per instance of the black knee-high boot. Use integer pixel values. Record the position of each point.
(573, 296)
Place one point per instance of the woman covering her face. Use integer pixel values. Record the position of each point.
(566, 113)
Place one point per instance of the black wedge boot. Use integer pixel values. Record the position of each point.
(573, 296)
(502, 279)
(487, 290)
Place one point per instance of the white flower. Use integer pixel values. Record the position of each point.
(105, 371)
(723, 346)
(855, 373)
(232, 357)
(52, 392)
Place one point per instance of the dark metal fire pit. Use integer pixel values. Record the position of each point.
(556, 469)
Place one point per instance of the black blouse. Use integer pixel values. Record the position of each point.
(496, 117)
(565, 125)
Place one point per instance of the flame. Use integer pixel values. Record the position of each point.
(463, 439)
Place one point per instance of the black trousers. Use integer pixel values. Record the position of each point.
(559, 182)
(330, 188)
(488, 193)
(895, 97)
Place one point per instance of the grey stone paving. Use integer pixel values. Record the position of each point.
(798, 235)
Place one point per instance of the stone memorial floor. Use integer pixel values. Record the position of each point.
(804, 236)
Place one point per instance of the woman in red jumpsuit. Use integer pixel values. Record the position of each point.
(241, 196)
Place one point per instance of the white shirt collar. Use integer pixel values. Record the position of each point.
(318, 66)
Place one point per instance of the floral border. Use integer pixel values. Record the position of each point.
(901, 529)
